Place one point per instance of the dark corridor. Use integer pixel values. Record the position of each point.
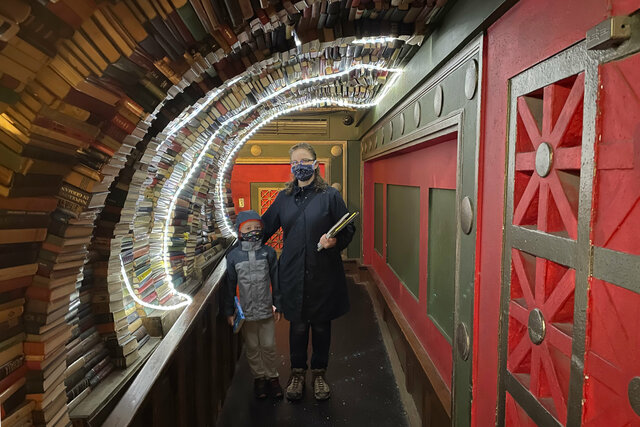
(364, 390)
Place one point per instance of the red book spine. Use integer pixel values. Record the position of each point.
(67, 14)
(150, 297)
(124, 124)
(13, 377)
(115, 132)
(60, 128)
(228, 34)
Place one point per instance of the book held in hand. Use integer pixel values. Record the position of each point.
(339, 226)
(238, 316)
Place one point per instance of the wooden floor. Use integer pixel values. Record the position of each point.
(364, 391)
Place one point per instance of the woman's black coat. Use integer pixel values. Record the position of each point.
(312, 284)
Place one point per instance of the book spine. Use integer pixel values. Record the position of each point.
(11, 366)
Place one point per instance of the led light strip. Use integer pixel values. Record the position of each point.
(231, 155)
(187, 176)
(125, 277)
(367, 40)
(196, 164)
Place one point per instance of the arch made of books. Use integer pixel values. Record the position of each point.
(204, 140)
(119, 123)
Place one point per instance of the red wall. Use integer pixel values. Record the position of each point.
(432, 166)
(528, 33)
(243, 175)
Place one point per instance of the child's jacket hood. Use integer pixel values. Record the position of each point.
(245, 216)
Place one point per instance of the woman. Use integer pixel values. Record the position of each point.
(312, 284)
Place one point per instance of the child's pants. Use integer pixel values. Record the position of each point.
(260, 344)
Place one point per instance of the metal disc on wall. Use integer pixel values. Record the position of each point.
(471, 79)
(417, 113)
(438, 99)
(544, 159)
(336, 151)
(634, 394)
(537, 326)
(256, 150)
(402, 123)
(466, 215)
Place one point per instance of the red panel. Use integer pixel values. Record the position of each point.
(544, 368)
(617, 188)
(243, 175)
(550, 203)
(432, 166)
(515, 415)
(612, 359)
(531, 31)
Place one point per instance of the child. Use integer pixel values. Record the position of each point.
(252, 267)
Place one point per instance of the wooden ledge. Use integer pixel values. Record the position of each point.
(94, 408)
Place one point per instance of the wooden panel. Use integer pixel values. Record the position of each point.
(441, 259)
(403, 234)
(378, 218)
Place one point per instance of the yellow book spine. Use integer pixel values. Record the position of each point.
(51, 80)
(84, 57)
(112, 33)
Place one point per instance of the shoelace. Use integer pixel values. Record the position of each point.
(320, 384)
(295, 381)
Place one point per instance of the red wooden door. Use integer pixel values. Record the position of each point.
(612, 359)
(570, 335)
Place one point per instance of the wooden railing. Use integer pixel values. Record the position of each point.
(185, 380)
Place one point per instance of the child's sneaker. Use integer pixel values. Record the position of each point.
(296, 384)
(321, 389)
(275, 388)
(260, 388)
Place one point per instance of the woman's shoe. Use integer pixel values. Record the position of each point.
(321, 389)
(275, 388)
(260, 388)
(296, 384)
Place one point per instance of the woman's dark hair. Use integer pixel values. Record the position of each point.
(318, 183)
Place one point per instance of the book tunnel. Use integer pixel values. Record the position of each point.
(319, 212)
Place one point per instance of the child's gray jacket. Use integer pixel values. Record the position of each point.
(252, 267)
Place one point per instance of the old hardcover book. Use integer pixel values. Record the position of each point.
(20, 416)
(44, 294)
(11, 366)
(46, 348)
(17, 271)
(45, 307)
(11, 350)
(47, 414)
(12, 395)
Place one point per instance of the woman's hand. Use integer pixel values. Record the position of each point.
(328, 243)
(230, 320)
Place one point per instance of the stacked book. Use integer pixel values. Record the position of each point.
(18, 266)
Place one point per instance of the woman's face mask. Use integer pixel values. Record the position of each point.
(252, 236)
(303, 172)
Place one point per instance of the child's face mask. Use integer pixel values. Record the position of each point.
(303, 172)
(252, 236)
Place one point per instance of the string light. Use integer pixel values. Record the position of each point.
(230, 157)
(125, 277)
(195, 165)
(374, 40)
